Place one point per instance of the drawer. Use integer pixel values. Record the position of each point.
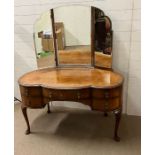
(32, 97)
(106, 105)
(31, 91)
(106, 93)
(59, 95)
(33, 102)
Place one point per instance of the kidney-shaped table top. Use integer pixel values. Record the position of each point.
(71, 78)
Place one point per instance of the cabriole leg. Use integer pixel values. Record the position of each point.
(48, 108)
(117, 122)
(24, 111)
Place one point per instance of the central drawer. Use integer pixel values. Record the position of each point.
(60, 95)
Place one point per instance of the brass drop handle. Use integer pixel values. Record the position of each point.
(50, 95)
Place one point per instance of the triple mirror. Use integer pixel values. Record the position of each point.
(73, 36)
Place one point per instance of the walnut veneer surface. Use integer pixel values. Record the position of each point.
(67, 78)
(98, 88)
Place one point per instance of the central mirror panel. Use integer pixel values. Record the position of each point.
(73, 35)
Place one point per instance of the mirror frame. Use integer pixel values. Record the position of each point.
(92, 64)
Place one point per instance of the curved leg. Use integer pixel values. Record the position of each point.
(48, 108)
(117, 121)
(24, 110)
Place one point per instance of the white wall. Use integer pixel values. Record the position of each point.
(125, 16)
(134, 81)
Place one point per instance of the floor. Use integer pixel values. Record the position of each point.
(75, 132)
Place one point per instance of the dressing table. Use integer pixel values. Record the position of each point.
(94, 84)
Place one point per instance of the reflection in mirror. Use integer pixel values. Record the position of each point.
(82, 36)
(73, 33)
(102, 39)
(43, 39)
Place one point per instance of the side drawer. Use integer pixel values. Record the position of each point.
(60, 95)
(106, 93)
(32, 97)
(106, 105)
(33, 102)
(31, 91)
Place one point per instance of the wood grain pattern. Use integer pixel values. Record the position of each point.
(68, 78)
(32, 97)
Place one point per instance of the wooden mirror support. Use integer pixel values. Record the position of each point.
(93, 86)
